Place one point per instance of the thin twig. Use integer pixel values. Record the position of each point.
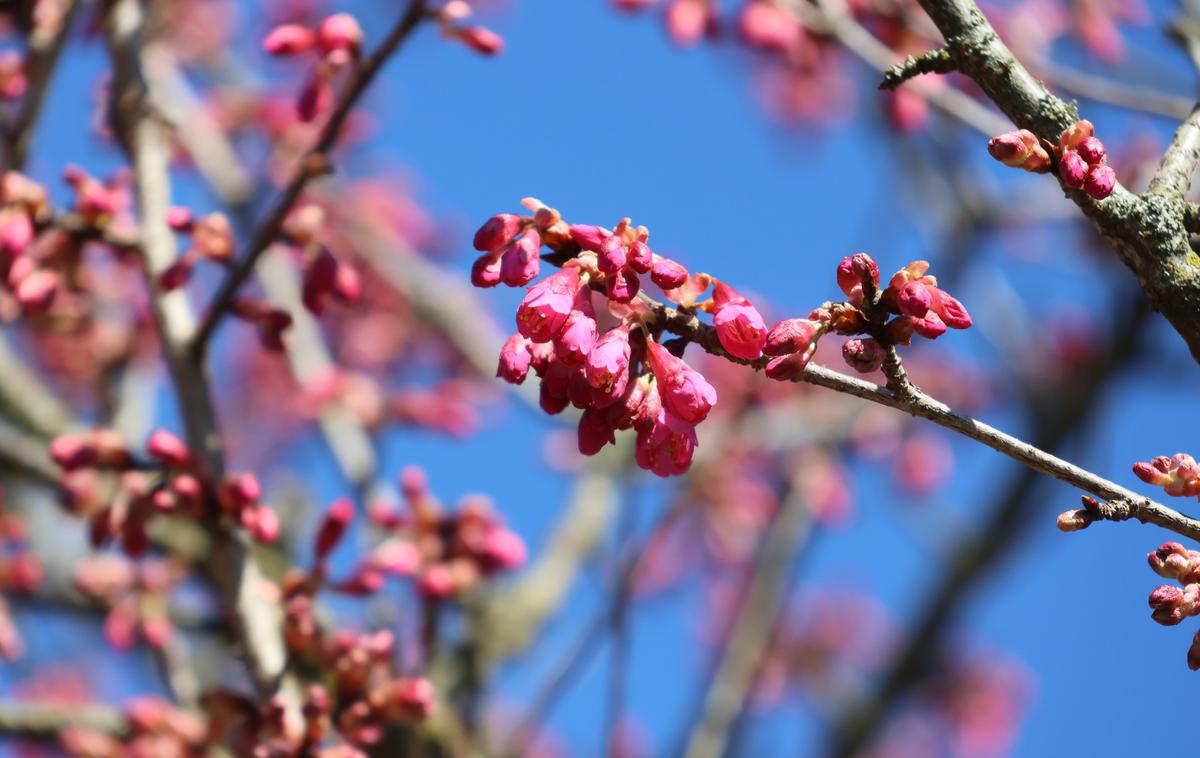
(47, 720)
(315, 162)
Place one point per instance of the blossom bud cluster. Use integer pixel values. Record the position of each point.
(444, 553)
(1081, 157)
(1083, 161)
(336, 41)
(1171, 604)
(1178, 475)
(211, 240)
(135, 594)
(623, 377)
(154, 727)
(166, 484)
(620, 378)
(911, 304)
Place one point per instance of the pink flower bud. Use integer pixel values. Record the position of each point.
(1149, 474)
(666, 446)
(589, 237)
(438, 581)
(1074, 521)
(288, 39)
(622, 287)
(793, 335)
(179, 218)
(480, 39)
(1020, 149)
(594, 431)
(503, 550)
(740, 327)
(668, 274)
(931, 327)
(239, 491)
(415, 697)
(1168, 559)
(514, 360)
(521, 262)
(339, 32)
(71, 452)
(949, 310)
(1165, 602)
(176, 275)
(576, 339)
(37, 289)
(333, 527)
(316, 98)
(546, 306)
(16, 232)
(854, 271)
(914, 299)
(396, 557)
(266, 526)
(789, 367)
(1100, 182)
(1075, 134)
(497, 231)
(766, 25)
(485, 271)
(1072, 169)
(168, 449)
(687, 21)
(212, 237)
(641, 257)
(607, 364)
(1092, 150)
(685, 393)
(612, 255)
(863, 355)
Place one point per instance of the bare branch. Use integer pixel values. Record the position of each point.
(46, 720)
(315, 162)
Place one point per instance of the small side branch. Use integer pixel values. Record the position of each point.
(1174, 174)
(46, 720)
(314, 163)
(937, 61)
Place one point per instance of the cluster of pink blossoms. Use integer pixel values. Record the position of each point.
(1179, 475)
(165, 484)
(136, 595)
(1081, 158)
(1171, 604)
(622, 377)
(211, 239)
(21, 574)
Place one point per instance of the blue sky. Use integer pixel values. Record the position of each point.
(596, 114)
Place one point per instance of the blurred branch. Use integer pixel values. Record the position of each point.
(40, 62)
(1101, 89)
(315, 162)
(46, 720)
(145, 136)
(748, 641)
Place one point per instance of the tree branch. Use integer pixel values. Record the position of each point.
(1174, 175)
(46, 720)
(314, 163)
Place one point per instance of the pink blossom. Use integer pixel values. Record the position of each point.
(168, 449)
(339, 33)
(594, 431)
(607, 364)
(687, 21)
(1020, 149)
(740, 327)
(521, 261)
(949, 310)
(503, 550)
(1073, 135)
(793, 335)
(766, 25)
(666, 446)
(547, 304)
(1092, 150)
(786, 368)
(685, 393)
(497, 231)
(485, 271)
(480, 39)
(1100, 182)
(1072, 169)
(333, 527)
(668, 274)
(515, 358)
(288, 39)
(931, 327)
(863, 355)
(914, 299)
(589, 237)
(578, 335)
(612, 255)
(623, 286)
(641, 257)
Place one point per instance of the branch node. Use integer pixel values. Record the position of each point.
(936, 61)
